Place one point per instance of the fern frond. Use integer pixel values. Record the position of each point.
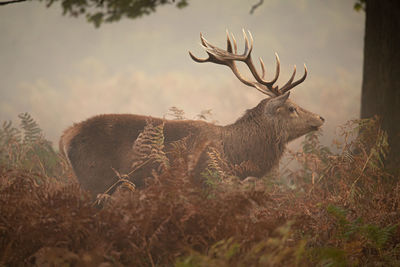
(215, 162)
(31, 129)
(176, 113)
(379, 236)
(8, 133)
(149, 147)
(26, 148)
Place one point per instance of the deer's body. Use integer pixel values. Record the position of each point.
(101, 145)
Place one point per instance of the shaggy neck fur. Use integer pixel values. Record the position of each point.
(256, 139)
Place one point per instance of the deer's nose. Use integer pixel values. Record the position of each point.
(321, 118)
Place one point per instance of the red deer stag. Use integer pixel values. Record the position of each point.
(101, 145)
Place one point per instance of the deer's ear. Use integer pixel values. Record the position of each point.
(274, 103)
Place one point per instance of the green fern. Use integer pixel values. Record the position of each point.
(331, 256)
(10, 139)
(345, 227)
(312, 145)
(219, 254)
(274, 251)
(216, 173)
(9, 134)
(31, 129)
(26, 148)
(378, 237)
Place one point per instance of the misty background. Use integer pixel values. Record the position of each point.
(63, 70)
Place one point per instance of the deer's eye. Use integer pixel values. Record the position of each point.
(292, 109)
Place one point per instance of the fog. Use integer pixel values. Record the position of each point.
(62, 70)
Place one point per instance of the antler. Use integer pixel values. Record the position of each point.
(228, 58)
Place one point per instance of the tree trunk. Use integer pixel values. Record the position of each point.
(381, 75)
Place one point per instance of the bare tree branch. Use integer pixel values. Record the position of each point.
(255, 6)
(11, 2)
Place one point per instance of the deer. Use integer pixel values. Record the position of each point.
(100, 146)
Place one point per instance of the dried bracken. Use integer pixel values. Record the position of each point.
(344, 210)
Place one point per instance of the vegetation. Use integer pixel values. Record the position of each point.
(342, 208)
(100, 11)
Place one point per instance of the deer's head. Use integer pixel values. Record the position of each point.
(277, 109)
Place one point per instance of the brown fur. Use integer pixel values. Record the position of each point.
(102, 143)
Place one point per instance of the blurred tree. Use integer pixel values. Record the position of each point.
(381, 74)
(99, 11)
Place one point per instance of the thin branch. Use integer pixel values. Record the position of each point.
(255, 6)
(11, 2)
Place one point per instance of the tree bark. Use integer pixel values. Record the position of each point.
(381, 74)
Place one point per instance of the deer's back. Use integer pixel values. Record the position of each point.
(101, 145)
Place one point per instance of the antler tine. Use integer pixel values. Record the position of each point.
(291, 78)
(234, 42)
(262, 67)
(200, 60)
(289, 85)
(228, 42)
(278, 69)
(247, 47)
(204, 45)
(203, 40)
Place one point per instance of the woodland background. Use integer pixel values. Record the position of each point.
(63, 70)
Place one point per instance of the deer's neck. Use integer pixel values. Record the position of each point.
(259, 145)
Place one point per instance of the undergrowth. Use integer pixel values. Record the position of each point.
(25, 148)
(342, 211)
